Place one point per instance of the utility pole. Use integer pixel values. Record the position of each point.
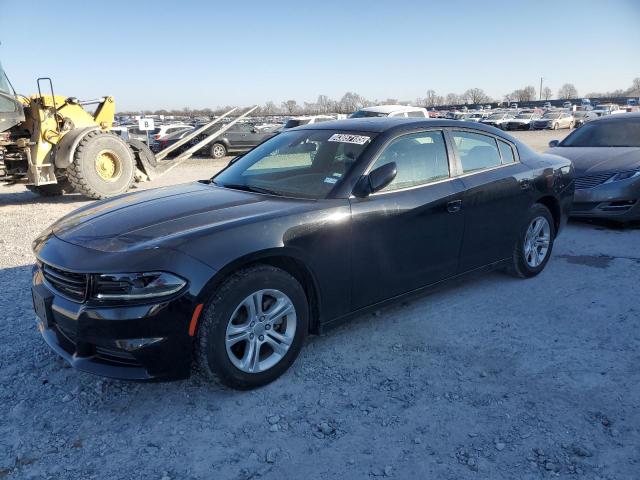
(540, 88)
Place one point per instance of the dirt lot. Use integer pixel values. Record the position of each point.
(490, 378)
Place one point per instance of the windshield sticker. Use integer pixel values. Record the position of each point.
(330, 180)
(346, 138)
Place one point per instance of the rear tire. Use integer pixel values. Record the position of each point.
(219, 352)
(533, 250)
(52, 189)
(103, 165)
(218, 151)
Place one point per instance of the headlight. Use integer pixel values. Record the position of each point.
(135, 286)
(624, 176)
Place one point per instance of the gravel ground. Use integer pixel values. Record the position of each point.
(492, 377)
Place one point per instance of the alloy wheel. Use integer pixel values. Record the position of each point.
(537, 241)
(261, 331)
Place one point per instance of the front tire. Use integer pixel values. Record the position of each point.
(253, 327)
(218, 151)
(534, 244)
(103, 166)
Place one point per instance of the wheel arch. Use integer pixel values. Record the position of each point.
(279, 258)
(553, 205)
(68, 144)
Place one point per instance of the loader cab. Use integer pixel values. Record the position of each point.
(11, 111)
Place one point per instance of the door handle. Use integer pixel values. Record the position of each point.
(454, 206)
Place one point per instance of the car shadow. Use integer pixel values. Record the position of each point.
(29, 198)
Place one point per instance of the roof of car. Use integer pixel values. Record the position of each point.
(391, 108)
(383, 124)
(618, 117)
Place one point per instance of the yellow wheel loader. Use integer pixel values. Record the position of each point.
(53, 145)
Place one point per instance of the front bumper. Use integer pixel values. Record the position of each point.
(541, 126)
(127, 340)
(616, 201)
(137, 342)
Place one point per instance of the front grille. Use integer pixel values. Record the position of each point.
(590, 181)
(69, 284)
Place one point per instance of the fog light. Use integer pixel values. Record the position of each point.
(131, 344)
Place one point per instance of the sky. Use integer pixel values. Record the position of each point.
(199, 54)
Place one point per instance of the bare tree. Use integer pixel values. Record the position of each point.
(290, 106)
(568, 91)
(270, 108)
(475, 96)
(350, 102)
(635, 87)
(547, 93)
(453, 99)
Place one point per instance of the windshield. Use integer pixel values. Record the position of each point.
(496, 116)
(525, 116)
(605, 134)
(303, 164)
(366, 113)
(551, 115)
(579, 114)
(4, 82)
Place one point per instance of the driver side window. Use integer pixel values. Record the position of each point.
(420, 158)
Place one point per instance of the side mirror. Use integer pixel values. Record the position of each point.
(554, 143)
(235, 159)
(376, 180)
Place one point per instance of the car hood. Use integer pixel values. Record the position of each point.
(592, 160)
(153, 218)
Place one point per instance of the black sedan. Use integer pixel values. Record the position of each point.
(313, 226)
(606, 156)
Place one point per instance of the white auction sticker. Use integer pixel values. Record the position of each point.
(346, 138)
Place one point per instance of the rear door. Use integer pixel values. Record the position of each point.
(409, 234)
(496, 198)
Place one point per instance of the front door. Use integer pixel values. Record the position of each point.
(409, 234)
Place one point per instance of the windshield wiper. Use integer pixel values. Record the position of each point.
(251, 188)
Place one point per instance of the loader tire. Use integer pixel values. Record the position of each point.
(145, 158)
(143, 153)
(52, 189)
(103, 165)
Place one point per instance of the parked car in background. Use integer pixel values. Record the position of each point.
(567, 104)
(317, 224)
(391, 111)
(170, 139)
(164, 130)
(473, 117)
(608, 109)
(307, 120)
(240, 138)
(546, 105)
(522, 121)
(553, 120)
(142, 135)
(605, 153)
(498, 119)
(583, 116)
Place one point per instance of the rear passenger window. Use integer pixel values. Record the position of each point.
(420, 158)
(507, 152)
(476, 151)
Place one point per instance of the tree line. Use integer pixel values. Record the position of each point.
(352, 101)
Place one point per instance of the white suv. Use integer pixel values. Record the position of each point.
(402, 111)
